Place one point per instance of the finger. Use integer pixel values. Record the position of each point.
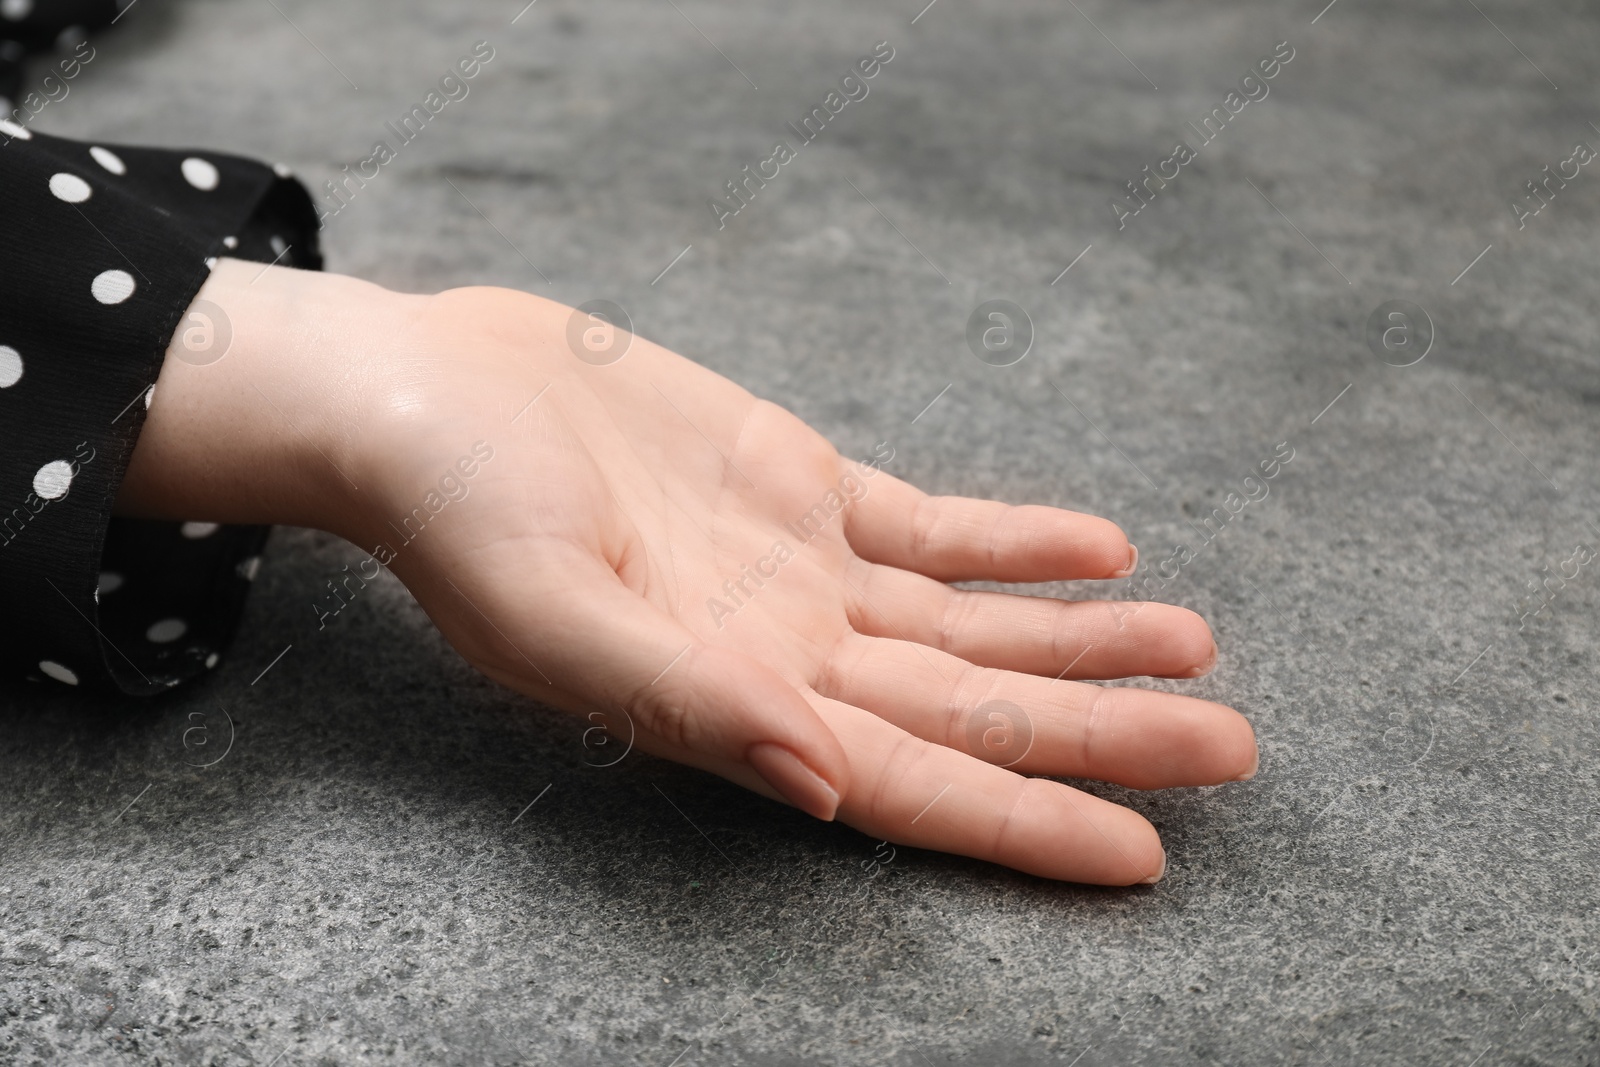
(610, 646)
(1134, 737)
(908, 791)
(1036, 635)
(957, 539)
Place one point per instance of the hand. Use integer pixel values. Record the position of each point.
(649, 536)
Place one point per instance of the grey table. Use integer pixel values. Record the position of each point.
(359, 875)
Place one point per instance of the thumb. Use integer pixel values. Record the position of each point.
(699, 698)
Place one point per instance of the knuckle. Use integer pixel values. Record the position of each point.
(669, 708)
(899, 769)
(840, 672)
(924, 526)
(1005, 826)
(1094, 723)
(664, 712)
(1000, 534)
(960, 613)
(1067, 641)
(974, 686)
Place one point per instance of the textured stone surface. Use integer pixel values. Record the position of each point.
(1410, 878)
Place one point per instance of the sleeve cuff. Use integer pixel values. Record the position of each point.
(106, 248)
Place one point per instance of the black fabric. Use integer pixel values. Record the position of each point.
(105, 247)
(36, 25)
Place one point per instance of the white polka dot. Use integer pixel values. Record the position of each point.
(15, 10)
(112, 286)
(247, 568)
(149, 395)
(11, 129)
(10, 366)
(110, 582)
(278, 247)
(166, 630)
(200, 173)
(69, 187)
(57, 671)
(108, 159)
(211, 660)
(230, 242)
(211, 263)
(196, 530)
(282, 170)
(52, 480)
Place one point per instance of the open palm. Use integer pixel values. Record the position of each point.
(650, 537)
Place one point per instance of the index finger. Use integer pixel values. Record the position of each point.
(909, 791)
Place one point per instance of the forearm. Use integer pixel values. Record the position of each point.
(256, 412)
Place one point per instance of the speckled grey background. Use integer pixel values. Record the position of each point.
(1411, 878)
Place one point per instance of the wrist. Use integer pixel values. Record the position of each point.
(257, 413)
(444, 393)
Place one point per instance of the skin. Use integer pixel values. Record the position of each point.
(578, 567)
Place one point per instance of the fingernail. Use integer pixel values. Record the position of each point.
(1251, 773)
(1133, 562)
(1154, 878)
(796, 782)
(1204, 668)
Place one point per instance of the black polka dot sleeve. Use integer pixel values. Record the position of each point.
(105, 247)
